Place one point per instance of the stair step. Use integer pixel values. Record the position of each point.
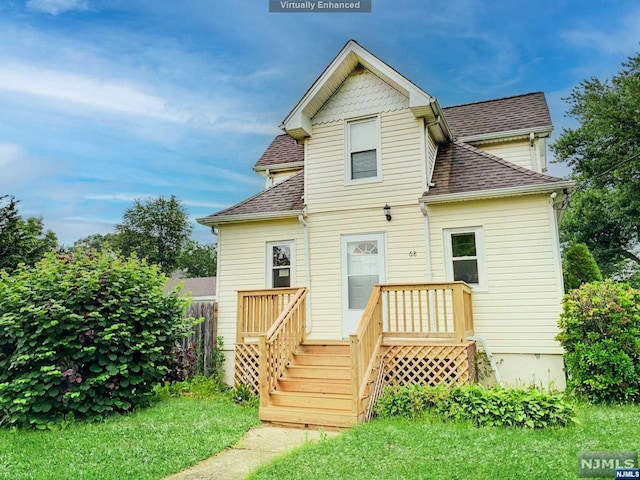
(312, 400)
(315, 385)
(333, 372)
(308, 416)
(321, 359)
(328, 348)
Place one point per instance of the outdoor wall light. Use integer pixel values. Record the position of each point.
(387, 212)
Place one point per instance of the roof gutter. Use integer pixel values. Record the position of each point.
(497, 192)
(509, 134)
(247, 217)
(279, 167)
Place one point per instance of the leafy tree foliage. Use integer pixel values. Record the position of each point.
(98, 242)
(604, 152)
(155, 229)
(599, 330)
(85, 335)
(579, 266)
(198, 260)
(21, 241)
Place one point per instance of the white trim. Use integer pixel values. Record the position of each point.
(279, 167)
(248, 217)
(555, 246)
(498, 192)
(345, 239)
(506, 135)
(269, 262)
(479, 257)
(347, 150)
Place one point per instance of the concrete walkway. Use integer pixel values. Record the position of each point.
(259, 445)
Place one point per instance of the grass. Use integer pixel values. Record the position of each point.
(148, 444)
(402, 449)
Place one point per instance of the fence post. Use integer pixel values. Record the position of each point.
(458, 312)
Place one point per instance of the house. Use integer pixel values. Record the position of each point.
(200, 289)
(393, 236)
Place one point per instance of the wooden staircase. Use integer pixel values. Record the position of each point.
(316, 388)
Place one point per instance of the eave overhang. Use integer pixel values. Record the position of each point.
(498, 192)
(509, 135)
(248, 217)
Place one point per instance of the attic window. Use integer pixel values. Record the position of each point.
(363, 155)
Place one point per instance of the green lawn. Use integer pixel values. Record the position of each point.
(148, 444)
(402, 449)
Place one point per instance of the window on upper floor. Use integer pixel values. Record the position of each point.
(464, 256)
(280, 264)
(362, 150)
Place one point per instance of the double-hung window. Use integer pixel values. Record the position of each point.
(280, 264)
(464, 256)
(362, 149)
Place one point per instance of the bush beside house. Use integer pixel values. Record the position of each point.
(600, 332)
(85, 335)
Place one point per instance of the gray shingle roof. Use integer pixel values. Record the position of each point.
(197, 287)
(283, 149)
(286, 196)
(462, 168)
(503, 114)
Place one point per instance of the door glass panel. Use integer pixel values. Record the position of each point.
(362, 272)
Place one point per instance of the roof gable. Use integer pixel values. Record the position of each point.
(298, 122)
(526, 113)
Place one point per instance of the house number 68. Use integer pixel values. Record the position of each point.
(413, 253)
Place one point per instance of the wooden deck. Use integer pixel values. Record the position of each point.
(408, 334)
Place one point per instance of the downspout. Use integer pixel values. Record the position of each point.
(307, 267)
(532, 152)
(485, 346)
(427, 243)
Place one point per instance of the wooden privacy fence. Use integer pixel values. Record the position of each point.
(204, 334)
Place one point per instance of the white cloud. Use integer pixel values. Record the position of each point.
(54, 7)
(17, 166)
(119, 197)
(619, 41)
(103, 94)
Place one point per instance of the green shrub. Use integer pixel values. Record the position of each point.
(480, 406)
(600, 332)
(579, 266)
(85, 335)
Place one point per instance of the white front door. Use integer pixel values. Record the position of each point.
(363, 266)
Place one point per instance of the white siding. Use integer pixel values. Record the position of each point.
(362, 93)
(241, 264)
(403, 234)
(518, 312)
(275, 178)
(403, 166)
(517, 152)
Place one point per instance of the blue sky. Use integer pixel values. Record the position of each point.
(104, 101)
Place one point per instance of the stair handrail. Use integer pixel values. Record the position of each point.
(364, 347)
(279, 343)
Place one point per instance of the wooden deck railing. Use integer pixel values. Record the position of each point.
(364, 347)
(429, 310)
(258, 309)
(279, 343)
(433, 310)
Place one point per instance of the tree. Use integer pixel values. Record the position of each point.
(198, 260)
(604, 152)
(98, 241)
(579, 267)
(155, 229)
(21, 241)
